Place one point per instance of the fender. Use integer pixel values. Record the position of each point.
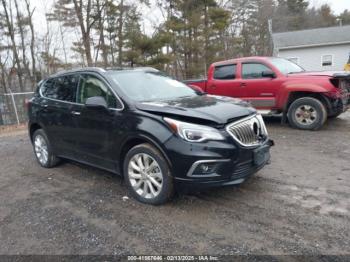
(284, 94)
(148, 138)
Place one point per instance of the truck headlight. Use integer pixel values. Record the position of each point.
(192, 132)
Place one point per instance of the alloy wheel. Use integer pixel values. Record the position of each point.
(41, 149)
(145, 175)
(306, 115)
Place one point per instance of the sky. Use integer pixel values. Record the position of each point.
(337, 5)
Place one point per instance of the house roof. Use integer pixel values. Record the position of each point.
(312, 37)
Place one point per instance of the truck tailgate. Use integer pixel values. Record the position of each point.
(201, 83)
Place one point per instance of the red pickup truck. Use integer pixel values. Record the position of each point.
(278, 86)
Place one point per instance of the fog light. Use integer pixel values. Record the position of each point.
(205, 168)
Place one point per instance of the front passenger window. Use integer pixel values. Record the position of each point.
(90, 86)
(253, 70)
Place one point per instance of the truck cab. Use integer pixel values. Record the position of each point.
(278, 86)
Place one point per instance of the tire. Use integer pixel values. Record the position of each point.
(43, 151)
(307, 113)
(154, 186)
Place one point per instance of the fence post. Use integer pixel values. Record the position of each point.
(14, 106)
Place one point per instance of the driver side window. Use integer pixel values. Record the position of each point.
(90, 86)
(253, 70)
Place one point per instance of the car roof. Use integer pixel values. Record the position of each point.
(104, 70)
(242, 59)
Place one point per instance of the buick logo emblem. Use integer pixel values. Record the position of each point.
(256, 128)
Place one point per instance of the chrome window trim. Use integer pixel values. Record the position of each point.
(75, 103)
(197, 163)
(227, 128)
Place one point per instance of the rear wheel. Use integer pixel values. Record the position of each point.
(147, 175)
(307, 113)
(42, 150)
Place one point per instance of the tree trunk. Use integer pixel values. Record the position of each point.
(120, 33)
(21, 32)
(32, 41)
(14, 48)
(102, 43)
(85, 30)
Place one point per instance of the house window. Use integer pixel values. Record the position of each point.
(295, 60)
(327, 60)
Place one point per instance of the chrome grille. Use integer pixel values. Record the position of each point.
(250, 131)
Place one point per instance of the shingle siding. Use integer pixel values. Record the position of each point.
(312, 37)
(311, 57)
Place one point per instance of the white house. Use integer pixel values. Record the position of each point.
(321, 49)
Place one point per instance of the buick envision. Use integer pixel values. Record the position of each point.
(160, 134)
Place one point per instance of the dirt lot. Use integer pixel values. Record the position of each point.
(297, 205)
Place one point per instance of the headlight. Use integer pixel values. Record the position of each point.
(192, 132)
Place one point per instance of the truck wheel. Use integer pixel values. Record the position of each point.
(147, 175)
(307, 113)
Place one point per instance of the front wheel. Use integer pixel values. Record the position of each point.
(147, 175)
(307, 113)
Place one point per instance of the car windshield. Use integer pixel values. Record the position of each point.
(150, 86)
(285, 66)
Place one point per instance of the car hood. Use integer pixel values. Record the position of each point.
(217, 109)
(329, 74)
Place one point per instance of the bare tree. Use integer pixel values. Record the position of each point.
(11, 33)
(85, 23)
(30, 13)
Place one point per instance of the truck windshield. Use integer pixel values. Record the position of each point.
(150, 86)
(285, 66)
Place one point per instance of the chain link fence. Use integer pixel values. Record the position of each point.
(13, 109)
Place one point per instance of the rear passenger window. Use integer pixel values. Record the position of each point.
(62, 88)
(225, 72)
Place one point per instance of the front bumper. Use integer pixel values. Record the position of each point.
(338, 106)
(235, 164)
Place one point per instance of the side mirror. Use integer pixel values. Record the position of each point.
(268, 74)
(96, 102)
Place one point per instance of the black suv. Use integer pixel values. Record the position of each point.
(160, 134)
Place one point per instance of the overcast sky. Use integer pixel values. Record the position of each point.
(337, 5)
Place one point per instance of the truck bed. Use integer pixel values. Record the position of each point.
(201, 83)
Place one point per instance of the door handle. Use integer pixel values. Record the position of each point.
(243, 84)
(76, 113)
(212, 86)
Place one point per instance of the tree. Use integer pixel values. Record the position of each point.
(290, 15)
(11, 33)
(30, 13)
(345, 17)
(77, 13)
(193, 28)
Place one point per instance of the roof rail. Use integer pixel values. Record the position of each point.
(94, 69)
(103, 70)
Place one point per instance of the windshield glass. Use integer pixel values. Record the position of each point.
(150, 86)
(285, 66)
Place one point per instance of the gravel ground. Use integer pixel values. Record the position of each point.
(297, 205)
